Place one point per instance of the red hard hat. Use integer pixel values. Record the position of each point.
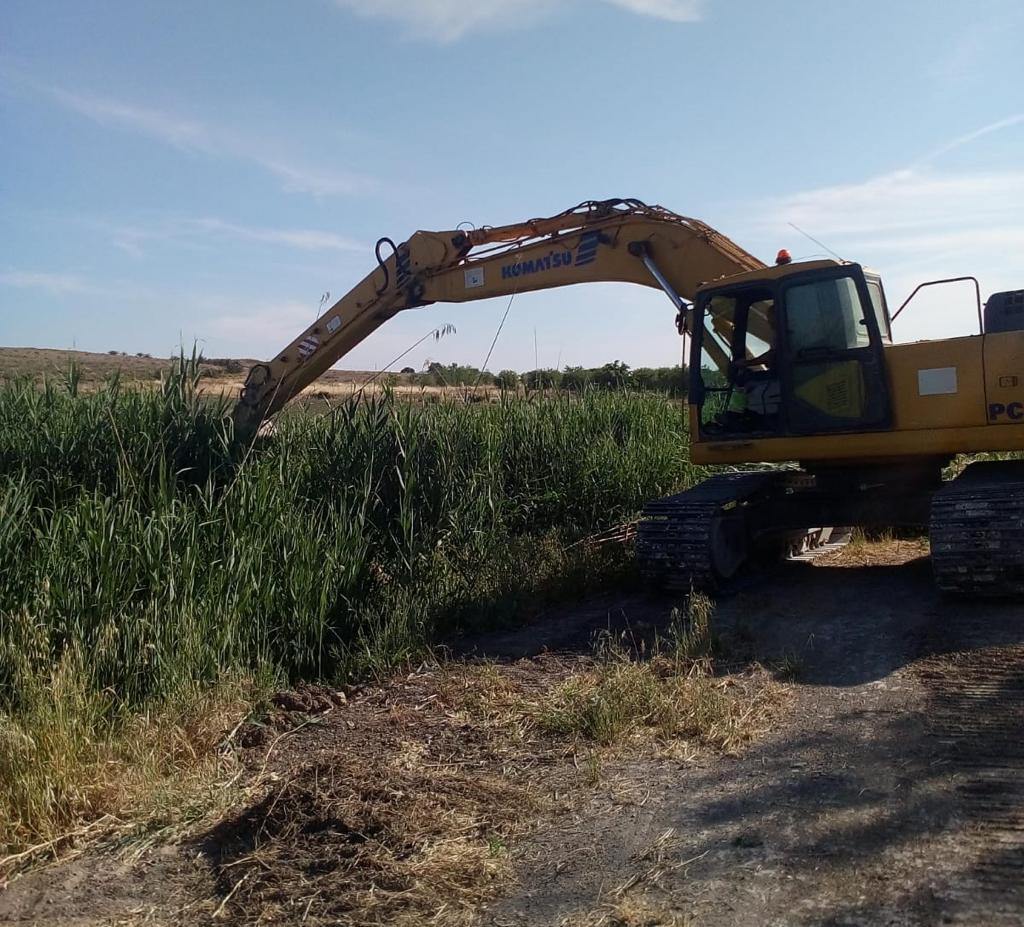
(783, 257)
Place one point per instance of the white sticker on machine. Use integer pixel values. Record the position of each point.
(936, 381)
(334, 324)
(474, 278)
(307, 346)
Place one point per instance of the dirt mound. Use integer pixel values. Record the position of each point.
(392, 845)
(385, 805)
(312, 698)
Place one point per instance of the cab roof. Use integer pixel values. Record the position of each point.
(775, 272)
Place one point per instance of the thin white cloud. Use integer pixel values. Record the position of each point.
(58, 284)
(450, 20)
(951, 244)
(960, 141)
(303, 179)
(182, 133)
(676, 11)
(905, 200)
(302, 239)
(916, 202)
(65, 284)
(133, 239)
(188, 134)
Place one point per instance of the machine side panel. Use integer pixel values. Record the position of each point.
(937, 384)
(1004, 378)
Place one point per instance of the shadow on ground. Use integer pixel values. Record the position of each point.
(834, 625)
(893, 794)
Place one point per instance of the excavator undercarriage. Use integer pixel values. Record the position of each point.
(701, 539)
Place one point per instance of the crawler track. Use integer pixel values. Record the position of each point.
(699, 539)
(976, 711)
(676, 540)
(977, 532)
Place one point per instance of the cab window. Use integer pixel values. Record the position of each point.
(878, 304)
(740, 386)
(825, 315)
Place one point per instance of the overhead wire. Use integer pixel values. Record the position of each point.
(494, 341)
(436, 334)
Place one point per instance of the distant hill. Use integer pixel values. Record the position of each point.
(38, 363)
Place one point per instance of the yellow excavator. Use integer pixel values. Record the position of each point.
(787, 363)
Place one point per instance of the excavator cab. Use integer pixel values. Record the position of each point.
(792, 350)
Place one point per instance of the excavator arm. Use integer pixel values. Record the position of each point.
(610, 240)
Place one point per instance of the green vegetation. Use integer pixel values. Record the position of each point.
(670, 381)
(144, 561)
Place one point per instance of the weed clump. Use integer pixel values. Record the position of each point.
(673, 691)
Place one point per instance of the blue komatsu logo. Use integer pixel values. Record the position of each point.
(536, 265)
(586, 253)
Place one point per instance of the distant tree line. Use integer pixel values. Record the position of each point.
(613, 376)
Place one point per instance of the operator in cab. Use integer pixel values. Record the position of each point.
(756, 393)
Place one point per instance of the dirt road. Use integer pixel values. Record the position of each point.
(894, 794)
(890, 792)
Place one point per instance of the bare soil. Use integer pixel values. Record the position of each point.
(888, 791)
(94, 368)
(893, 794)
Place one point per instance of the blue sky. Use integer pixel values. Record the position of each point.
(197, 170)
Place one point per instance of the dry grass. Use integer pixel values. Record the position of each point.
(397, 809)
(406, 805)
(389, 844)
(629, 699)
(674, 694)
(882, 548)
(632, 911)
(64, 763)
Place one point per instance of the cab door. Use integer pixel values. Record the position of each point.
(834, 370)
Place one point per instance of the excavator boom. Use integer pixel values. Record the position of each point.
(610, 240)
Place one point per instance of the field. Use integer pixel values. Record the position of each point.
(390, 664)
(150, 568)
(224, 377)
(220, 376)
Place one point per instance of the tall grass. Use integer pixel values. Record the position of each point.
(144, 557)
